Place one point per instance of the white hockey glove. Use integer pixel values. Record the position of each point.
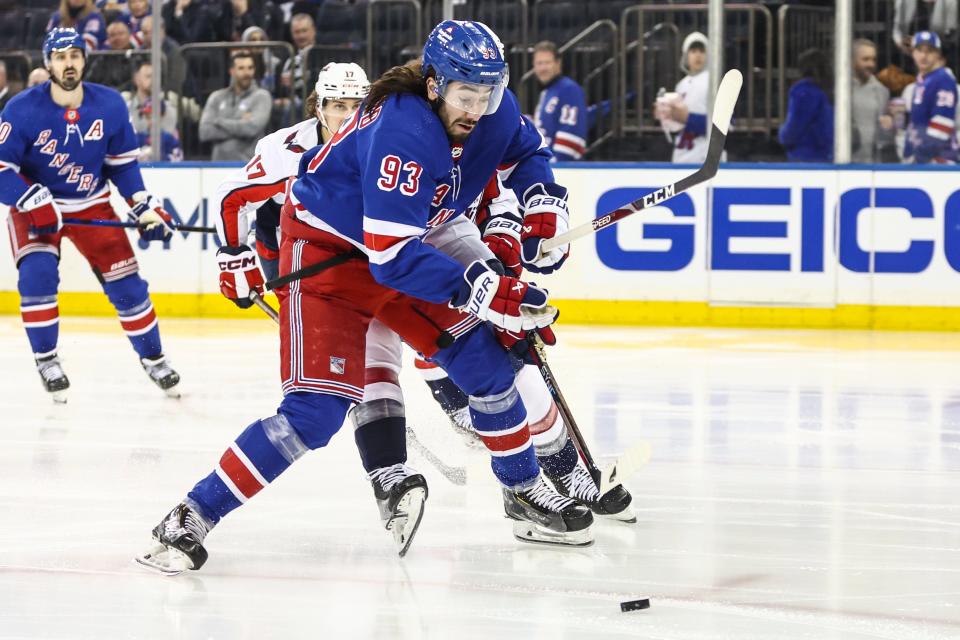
(506, 302)
(154, 223)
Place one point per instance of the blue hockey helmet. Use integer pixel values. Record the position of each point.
(61, 39)
(469, 53)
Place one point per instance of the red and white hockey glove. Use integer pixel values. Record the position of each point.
(501, 234)
(239, 274)
(153, 223)
(506, 302)
(42, 212)
(545, 216)
(519, 343)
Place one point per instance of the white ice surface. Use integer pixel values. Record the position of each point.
(802, 485)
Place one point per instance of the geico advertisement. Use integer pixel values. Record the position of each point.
(754, 236)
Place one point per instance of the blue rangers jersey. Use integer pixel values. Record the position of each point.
(931, 134)
(562, 118)
(73, 152)
(386, 178)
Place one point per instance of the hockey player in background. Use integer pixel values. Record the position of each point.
(60, 142)
(414, 158)
(257, 190)
(931, 129)
(683, 113)
(561, 113)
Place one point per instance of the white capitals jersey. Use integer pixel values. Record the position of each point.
(690, 145)
(277, 158)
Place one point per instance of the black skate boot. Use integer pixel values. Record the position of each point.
(162, 375)
(401, 493)
(178, 542)
(579, 485)
(543, 515)
(54, 379)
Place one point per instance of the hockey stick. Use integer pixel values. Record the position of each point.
(133, 225)
(456, 475)
(314, 269)
(540, 360)
(723, 106)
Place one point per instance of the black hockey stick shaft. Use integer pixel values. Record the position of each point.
(133, 225)
(722, 112)
(537, 352)
(314, 269)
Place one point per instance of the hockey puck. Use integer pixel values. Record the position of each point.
(635, 605)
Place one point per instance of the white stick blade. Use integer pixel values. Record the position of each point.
(726, 100)
(624, 467)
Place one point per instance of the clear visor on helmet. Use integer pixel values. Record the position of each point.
(476, 99)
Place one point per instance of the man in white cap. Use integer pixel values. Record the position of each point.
(684, 112)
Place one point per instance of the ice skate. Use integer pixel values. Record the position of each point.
(463, 426)
(54, 379)
(579, 485)
(162, 375)
(178, 543)
(401, 493)
(543, 515)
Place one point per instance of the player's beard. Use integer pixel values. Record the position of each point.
(454, 132)
(68, 84)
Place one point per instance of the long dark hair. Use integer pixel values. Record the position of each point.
(407, 78)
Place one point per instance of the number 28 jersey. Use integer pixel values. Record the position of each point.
(389, 176)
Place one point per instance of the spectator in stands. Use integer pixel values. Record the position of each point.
(83, 16)
(175, 68)
(236, 117)
(304, 34)
(4, 89)
(138, 99)
(807, 132)
(188, 21)
(269, 62)
(561, 113)
(683, 113)
(170, 149)
(931, 129)
(912, 16)
(257, 13)
(872, 124)
(118, 37)
(137, 10)
(37, 76)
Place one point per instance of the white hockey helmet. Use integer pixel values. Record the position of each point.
(341, 80)
(694, 38)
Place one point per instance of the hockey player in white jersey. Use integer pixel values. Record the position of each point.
(683, 113)
(256, 192)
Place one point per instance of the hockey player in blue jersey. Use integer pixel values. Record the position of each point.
(414, 157)
(60, 142)
(561, 113)
(931, 132)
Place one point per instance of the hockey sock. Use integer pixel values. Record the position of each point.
(263, 451)
(380, 430)
(547, 430)
(562, 462)
(130, 298)
(448, 395)
(480, 367)
(37, 283)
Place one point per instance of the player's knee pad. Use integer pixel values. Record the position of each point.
(316, 417)
(127, 292)
(477, 363)
(39, 275)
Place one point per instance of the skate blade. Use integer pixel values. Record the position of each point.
(173, 392)
(405, 523)
(169, 562)
(59, 397)
(627, 516)
(532, 532)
